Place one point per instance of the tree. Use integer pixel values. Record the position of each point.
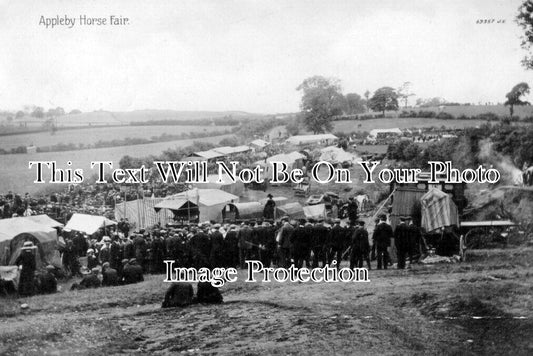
(321, 101)
(354, 104)
(19, 114)
(404, 92)
(74, 112)
(367, 98)
(38, 112)
(383, 99)
(515, 95)
(525, 20)
(292, 128)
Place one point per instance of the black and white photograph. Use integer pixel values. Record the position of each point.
(244, 177)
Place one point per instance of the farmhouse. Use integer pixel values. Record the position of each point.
(208, 155)
(230, 151)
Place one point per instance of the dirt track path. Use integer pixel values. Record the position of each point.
(397, 313)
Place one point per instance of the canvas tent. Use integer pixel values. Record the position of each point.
(43, 220)
(235, 188)
(208, 202)
(375, 133)
(88, 224)
(292, 210)
(242, 211)
(317, 211)
(141, 213)
(335, 154)
(292, 159)
(259, 144)
(438, 210)
(15, 231)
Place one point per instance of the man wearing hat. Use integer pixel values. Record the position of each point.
(26, 261)
(92, 261)
(360, 246)
(336, 242)
(382, 238)
(352, 210)
(109, 275)
(231, 247)
(245, 240)
(401, 241)
(270, 206)
(217, 245)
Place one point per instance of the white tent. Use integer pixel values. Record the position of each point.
(13, 233)
(88, 223)
(10, 228)
(315, 211)
(259, 143)
(289, 158)
(235, 188)
(43, 220)
(373, 134)
(210, 202)
(335, 154)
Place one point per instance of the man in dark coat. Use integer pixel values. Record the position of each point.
(47, 281)
(401, 241)
(318, 244)
(231, 248)
(336, 242)
(217, 244)
(285, 244)
(109, 275)
(381, 239)
(301, 238)
(352, 210)
(26, 261)
(360, 247)
(140, 247)
(245, 240)
(89, 281)
(270, 206)
(132, 272)
(415, 241)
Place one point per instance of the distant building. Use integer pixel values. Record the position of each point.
(326, 139)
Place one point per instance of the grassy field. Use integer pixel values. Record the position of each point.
(15, 175)
(480, 307)
(92, 135)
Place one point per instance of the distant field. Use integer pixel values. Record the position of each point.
(15, 175)
(93, 135)
(97, 118)
(402, 123)
(473, 110)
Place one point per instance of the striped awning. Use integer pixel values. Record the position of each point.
(438, 210)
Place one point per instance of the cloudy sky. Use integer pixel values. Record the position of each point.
(251, 55)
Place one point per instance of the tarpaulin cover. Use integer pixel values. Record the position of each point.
(142, 214)
(210, 202)
(438, 210)
(293, 210)
(88, 223)
(315, 211)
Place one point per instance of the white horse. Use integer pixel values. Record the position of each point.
(362, 201)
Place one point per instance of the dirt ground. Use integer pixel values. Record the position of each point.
(484, 306)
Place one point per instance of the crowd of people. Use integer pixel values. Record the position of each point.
(116, 255)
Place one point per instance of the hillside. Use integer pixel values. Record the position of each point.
(103, 117)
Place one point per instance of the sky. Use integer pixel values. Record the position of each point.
(251, 55)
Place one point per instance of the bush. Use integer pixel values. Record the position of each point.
(445, 116)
